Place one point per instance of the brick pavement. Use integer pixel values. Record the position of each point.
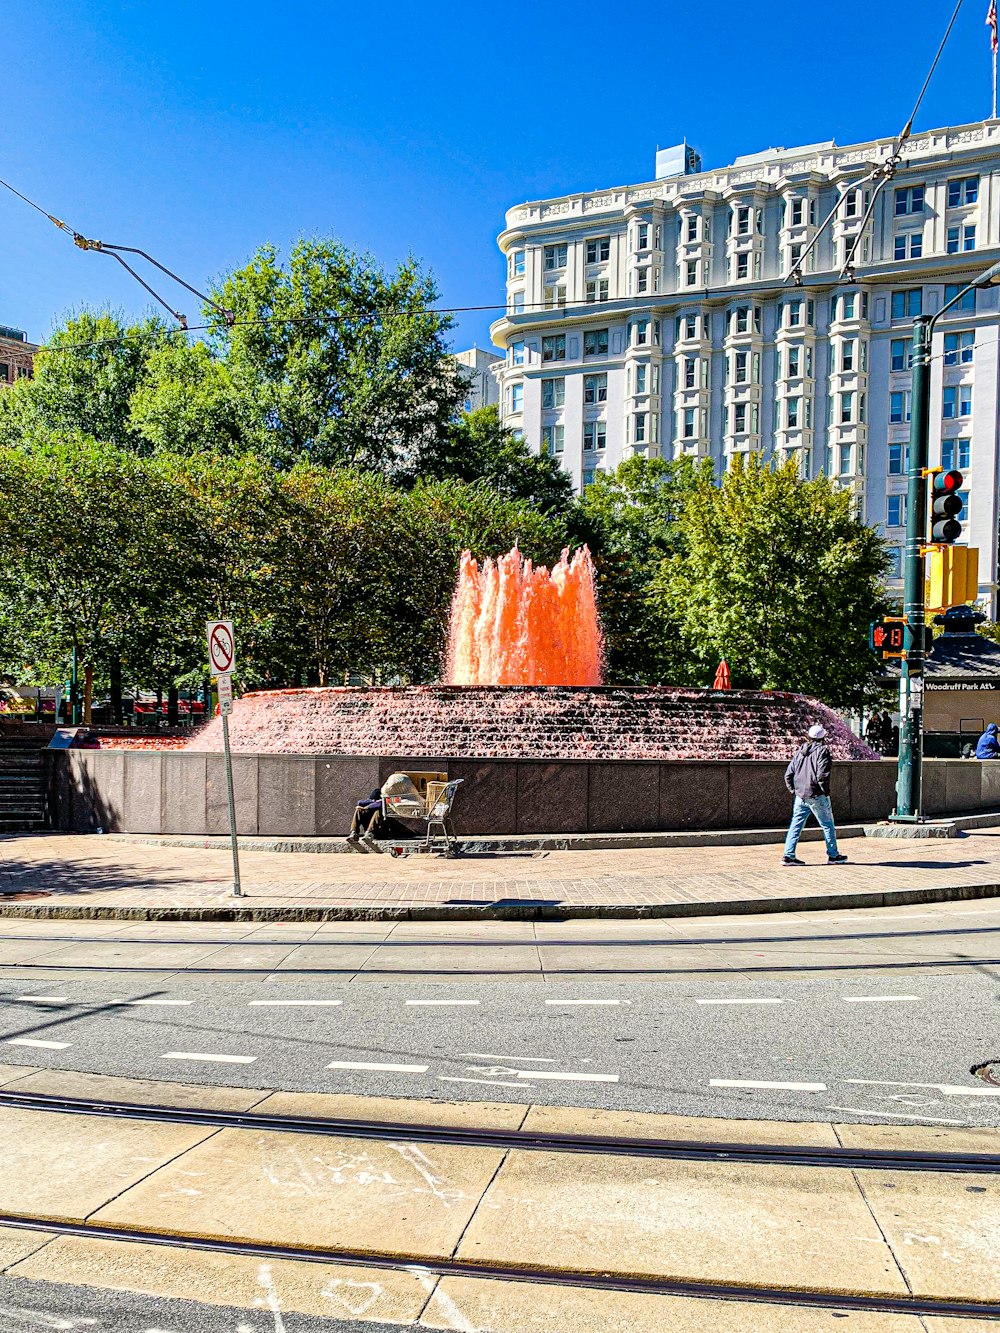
(42, 872)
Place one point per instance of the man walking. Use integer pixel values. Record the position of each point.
(807, 777)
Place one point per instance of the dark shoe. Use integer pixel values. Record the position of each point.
(792, 861)
(836, 860)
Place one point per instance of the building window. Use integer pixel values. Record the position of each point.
(899, 459)
(595, 342)
(910, 199)
(4, 372)
(517, 264)
(899, 407)
(959, 348)
(797, 208)
(555, 296)
(901, 353)
(956, 454)
(967, 301)
(847, 407)
(847, 354)
(691, 273)
(845, 460)
(517, 354)
(599, 250)
(597, 290)
(895, 554)
(642, 236)
(554, 347)
(640, 331)
(553, 439)
(961, 238)
(639, 433)
(518, 305)
(555, 257)
(554, 393)
(690, 372)
(740, 367)
(896, 511)
(909, 245)
(965, 190)
(641, 280)
(595, 388)
(689, 423)
(792, 412)
(957, 401)
(640, 379)
(742, 266)
(595, 435)
(907, 302)
(516, 398)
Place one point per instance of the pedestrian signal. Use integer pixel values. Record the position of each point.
(886, 637)
(946, 505)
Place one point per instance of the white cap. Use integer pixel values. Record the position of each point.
(816, 733)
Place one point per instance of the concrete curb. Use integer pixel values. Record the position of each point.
(507, 911)
(935, 828)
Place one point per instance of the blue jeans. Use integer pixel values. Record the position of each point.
(819, 806)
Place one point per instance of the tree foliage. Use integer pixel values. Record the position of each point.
(478, 447)
(778, 576)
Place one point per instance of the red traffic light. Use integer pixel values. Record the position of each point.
(946, 505)
(946, 482)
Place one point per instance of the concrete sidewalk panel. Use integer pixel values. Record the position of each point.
(944, 1230)
(711, 1222)
(699, 1129)
(61, 1166)
(382, 1197)
(919, 1138)
(16, 1244)
(322, 1290)
(396, 1110)
(525, 1307)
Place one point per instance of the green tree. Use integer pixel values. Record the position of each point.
(632, 521)
(83, 382)
(187, 403)
(478, 447)
(778, 576)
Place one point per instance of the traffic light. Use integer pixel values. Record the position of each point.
(946, 504)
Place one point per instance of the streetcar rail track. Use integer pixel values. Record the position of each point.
(625, 1282)
(845, 1158)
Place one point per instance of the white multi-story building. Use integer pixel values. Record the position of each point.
(664, 319)
(478, 373)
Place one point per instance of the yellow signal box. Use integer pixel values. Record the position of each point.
(954, 576)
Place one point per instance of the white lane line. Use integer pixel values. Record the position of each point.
(42, 999)
(753, 1001)
(484, 1082)
(895, 1115)
(948, 1089)
(202, 1055)
(571, 1078)
(389, 1069)
(441, 1002)
(761, 1083)
(562, 1002)
(42, 1045)
(159, 1002)
(298, 1003)
(876, 999)
(493, 1055)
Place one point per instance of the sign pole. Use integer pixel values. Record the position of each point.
(237, 887)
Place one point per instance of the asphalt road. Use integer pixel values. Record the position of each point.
(44, 1307)
(864, 1015)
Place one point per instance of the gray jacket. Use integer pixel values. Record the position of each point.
(808, 774)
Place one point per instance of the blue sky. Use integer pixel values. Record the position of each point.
(198, 132)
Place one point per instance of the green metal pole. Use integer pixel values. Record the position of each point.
(911, 681)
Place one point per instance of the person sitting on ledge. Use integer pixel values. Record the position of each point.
(988, 746)
(367, 822)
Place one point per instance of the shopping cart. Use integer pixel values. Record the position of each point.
(432, 806)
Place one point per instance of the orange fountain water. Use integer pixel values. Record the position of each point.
(512, 624)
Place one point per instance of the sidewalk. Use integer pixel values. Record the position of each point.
(92, 876)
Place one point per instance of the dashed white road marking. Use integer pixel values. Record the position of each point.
(42, 999)
(41, 1045)
(876, 999)
(493, 1055)
(203, 1055)
(385, 1068)
(441, 1002)
(751, 1001)
(273, 1004)
(948, 1089)
(561, 1002)
(895, 1115)
(763, 1083)
(159, 1002)
(483, 1082)
(570, 1078)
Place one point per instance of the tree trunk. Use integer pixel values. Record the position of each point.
(116, 690)
(173, 711)
(88, 693)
